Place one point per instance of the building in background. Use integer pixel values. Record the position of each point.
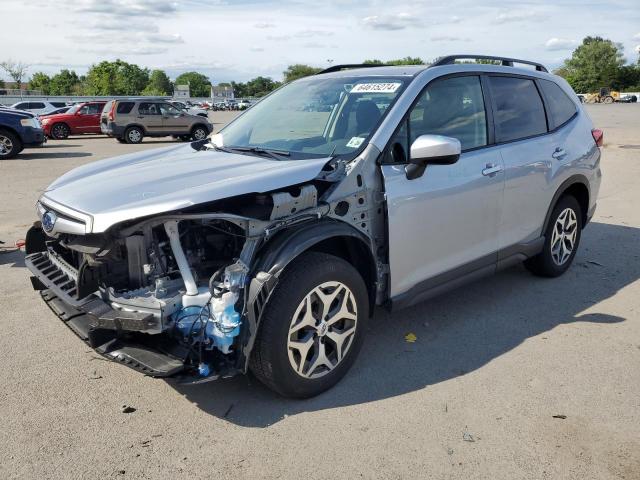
(181, 92)
(225, 92)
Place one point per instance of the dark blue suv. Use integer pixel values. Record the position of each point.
(18, 130)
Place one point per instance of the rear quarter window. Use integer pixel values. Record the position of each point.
(519, 109)
(560, 107)
(124, 107)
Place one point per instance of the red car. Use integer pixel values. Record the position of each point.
(81, 118)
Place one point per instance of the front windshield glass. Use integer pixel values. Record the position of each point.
(75, 108)
(316, 117)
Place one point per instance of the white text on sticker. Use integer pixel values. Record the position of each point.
(375, 88)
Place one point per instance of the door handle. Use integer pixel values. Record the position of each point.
(140, 116)
(491, 169)
(559, 153)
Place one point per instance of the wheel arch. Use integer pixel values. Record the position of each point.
(140, 126)
(328, 236)
(577, 186)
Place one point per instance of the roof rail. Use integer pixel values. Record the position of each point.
(337, 68)
(506, 61)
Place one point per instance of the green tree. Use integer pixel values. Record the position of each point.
(16, 70)
(199, 84)
(627, 77)
(116, 78)
(260, 86)
(159, 84)
(294, 72)
(1, 83)
(399, 61)
(239, 89)
(594, 64)
(40, 81)
(64, 83)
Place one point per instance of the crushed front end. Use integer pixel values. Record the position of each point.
(163, 295)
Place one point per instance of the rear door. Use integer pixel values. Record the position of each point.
(444, 223)
(150, 117)
(527, 152)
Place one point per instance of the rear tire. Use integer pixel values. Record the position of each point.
(562, 239)
(60, 131)
(312, 328)
(133, 135)
(10, 144)
(608, 99)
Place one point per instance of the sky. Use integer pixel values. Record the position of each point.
(241, 39)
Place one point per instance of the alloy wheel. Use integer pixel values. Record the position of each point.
(134, 135)
(199, 134)
(563, 238)
(6, 145)
(322, 330)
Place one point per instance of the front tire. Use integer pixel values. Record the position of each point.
(199, 132)
(562, 238)
(312, 328)
(10, 145)
(60, 131)
(133, 135)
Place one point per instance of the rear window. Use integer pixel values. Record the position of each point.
(519, 109)
(561, 108)
(124, 107)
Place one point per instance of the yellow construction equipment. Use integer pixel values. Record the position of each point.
(605, 95)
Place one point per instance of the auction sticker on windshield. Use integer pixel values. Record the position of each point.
(376, 88)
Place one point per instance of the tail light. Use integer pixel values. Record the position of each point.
(598, 136)
(112, 112)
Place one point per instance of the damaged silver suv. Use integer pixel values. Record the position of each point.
(267, 247)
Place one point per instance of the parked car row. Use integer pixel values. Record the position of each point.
(127, 120)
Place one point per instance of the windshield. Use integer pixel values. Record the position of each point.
(75, 108)
(316, 117)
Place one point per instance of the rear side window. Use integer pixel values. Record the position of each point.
(22, 106)
(124, 107)
(58, 104)
(36, 105)
(519, 109)
(561, 108)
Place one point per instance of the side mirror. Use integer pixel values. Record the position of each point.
(431, 149)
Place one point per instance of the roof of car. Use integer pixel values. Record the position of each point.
(383, 70)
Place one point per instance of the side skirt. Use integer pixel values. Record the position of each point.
(467, 273)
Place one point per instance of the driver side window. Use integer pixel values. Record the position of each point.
(453, 107)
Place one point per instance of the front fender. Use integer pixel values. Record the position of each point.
(271, 261)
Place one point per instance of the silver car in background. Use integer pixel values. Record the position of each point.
(267, 246)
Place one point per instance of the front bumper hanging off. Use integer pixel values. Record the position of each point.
(112, 333)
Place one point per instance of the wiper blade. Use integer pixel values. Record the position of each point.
(276, 154)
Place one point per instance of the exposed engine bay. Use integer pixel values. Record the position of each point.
(188, 284)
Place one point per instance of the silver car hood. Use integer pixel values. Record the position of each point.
(110, 191)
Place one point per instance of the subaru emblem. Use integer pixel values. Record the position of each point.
(48, 221)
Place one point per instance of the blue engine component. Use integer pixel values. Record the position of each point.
(216, 326)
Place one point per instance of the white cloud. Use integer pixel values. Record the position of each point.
(399, 21)
(560, 44)
(126, 8)
(636, 36)
(313, 33)
(264, 25)
(520, 16)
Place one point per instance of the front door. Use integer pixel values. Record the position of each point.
(444, 222)
(87, 119)
(174, 121)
